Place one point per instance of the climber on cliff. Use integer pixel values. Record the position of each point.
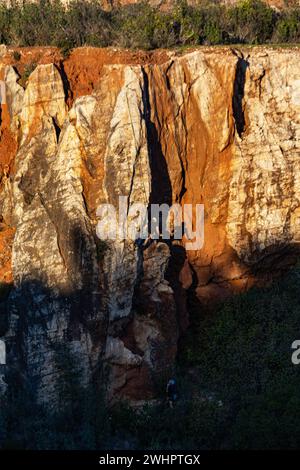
(171, 392)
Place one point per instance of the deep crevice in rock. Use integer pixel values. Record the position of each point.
(238, 94)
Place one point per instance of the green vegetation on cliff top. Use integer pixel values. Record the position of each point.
(48, 22)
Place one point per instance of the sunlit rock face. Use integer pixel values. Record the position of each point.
(214, 127)
(228, 128)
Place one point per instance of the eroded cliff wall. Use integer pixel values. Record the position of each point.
(213, 126)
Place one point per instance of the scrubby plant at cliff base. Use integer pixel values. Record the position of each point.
(237, 385)
(29, 68)
(242, 353)
(80, 419)
(288, 26)
(81, 23)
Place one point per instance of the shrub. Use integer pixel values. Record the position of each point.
(29, 68)
(251, 21)
(5, 24)
(243, 355)
(16, 55)
(288, 27)
(135, 25)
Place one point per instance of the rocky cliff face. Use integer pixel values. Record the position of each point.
(213, 126)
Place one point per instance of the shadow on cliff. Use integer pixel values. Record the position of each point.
(55, 338)
(260, 271)
(161, 193)
(39, 308)
(161, 189)
(238, 92)
(38, 322)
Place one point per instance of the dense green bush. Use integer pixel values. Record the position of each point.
(288, 27)
(48, 22)
(194, 424)
(242, 354)
(251, 21)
